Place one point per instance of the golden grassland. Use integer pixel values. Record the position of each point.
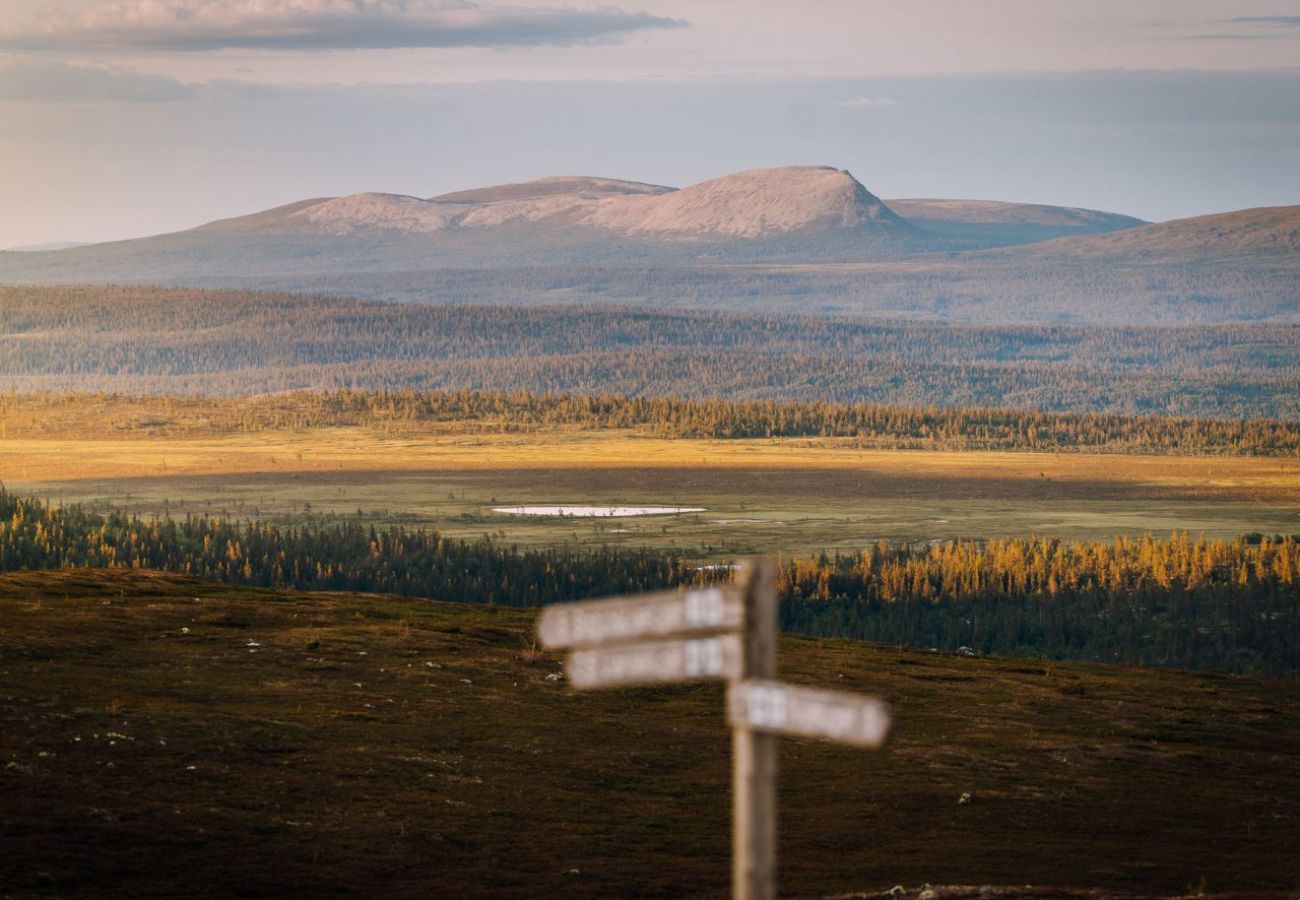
(763, 495)
(364, 449)
(162, 736)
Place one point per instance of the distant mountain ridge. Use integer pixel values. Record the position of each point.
(759, 203)
(796, 238)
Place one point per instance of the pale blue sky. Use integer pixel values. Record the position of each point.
(138, 116)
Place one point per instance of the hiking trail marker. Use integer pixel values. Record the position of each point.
(721, 633)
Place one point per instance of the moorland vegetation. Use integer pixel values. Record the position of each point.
(166, 736)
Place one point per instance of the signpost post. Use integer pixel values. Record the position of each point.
(725, 632)
(753, 752)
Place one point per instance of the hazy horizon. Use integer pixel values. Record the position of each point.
(130, 118)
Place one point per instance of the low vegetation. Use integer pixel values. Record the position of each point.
(794, 495)
(166, 736)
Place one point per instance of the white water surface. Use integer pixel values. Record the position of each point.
(611, 512)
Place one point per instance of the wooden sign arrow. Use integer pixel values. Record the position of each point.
(655, 662)
(777, 708)
(596, 622)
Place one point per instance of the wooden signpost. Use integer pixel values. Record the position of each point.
(806, 712)
(726, 632)
(655, 662)
(598, 622)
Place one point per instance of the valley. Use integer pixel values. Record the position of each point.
(771, 495)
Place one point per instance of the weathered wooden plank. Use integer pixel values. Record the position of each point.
(753, 763)
(776, 708)
(655, 662)
(622, 619)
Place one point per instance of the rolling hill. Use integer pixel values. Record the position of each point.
(991, 223)
(1267, 233)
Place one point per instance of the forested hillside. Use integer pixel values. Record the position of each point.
(966, 289)
(144, 340)
(1179, 601)
(862, 425)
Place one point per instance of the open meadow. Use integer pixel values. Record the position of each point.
(165, 736)
(793, 495)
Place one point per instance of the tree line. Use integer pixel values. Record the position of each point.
(1179, 601)
(342, 556)
(860, 424)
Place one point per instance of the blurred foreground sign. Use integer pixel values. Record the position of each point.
(656, 662)
(778, 708)
(597, 622)
(709, 634)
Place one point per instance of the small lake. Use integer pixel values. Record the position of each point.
(611, 512)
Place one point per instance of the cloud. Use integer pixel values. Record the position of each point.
(31, 80)
(1278, 21)
(40, 81)
(1230, 36)
(1266, 28)
(867, 102)
(196, 25)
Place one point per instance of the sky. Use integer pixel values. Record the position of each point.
(122, 118)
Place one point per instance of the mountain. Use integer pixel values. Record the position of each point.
(990, 223)
(809, 239)
(756, 204)
(789, 214)
(752, 205)
(1267, 233)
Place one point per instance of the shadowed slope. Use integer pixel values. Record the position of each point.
(164, 736)
(994, 223)
(1267, 233)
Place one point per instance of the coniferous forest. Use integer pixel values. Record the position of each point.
(1177, 601)
(873, 425)
(189, 341)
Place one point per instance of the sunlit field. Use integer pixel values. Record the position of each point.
(791, 495)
